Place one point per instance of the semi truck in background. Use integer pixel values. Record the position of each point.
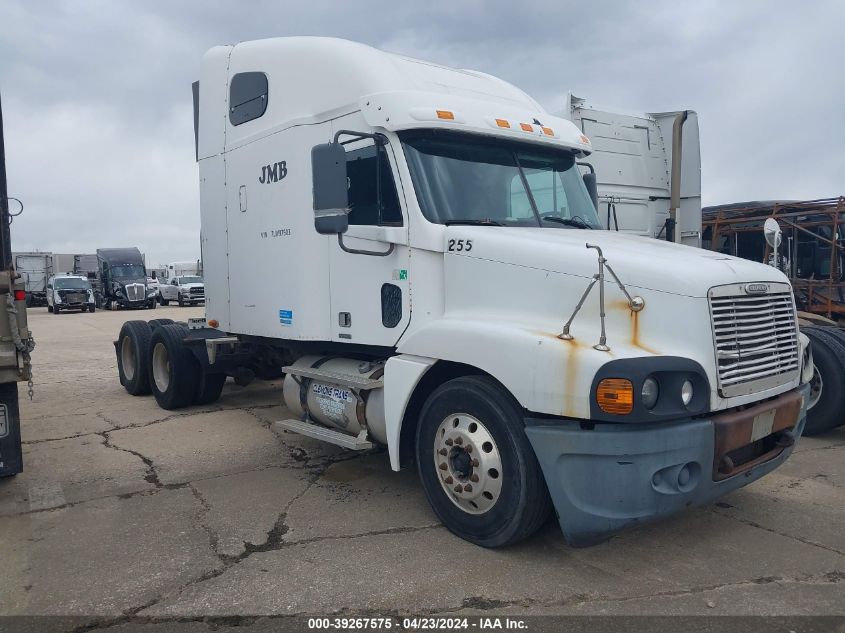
(16, 342)
(438, 252)
(123, 279)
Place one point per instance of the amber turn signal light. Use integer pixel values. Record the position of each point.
(615, 395)
(213, 323)
(446, 114)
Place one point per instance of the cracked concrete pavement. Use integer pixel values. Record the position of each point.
(126, 509)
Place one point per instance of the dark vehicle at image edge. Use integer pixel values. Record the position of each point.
(124, 279)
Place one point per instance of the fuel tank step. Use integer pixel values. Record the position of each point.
(325, 434)
(335, 377)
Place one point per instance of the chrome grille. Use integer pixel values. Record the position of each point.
(756, 338)
(135, 292)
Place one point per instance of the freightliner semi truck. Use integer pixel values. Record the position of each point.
(416, 248)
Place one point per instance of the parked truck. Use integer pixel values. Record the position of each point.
(434, 278)
(35, 269)
(16, 342)
(123, 279)
(183, 284)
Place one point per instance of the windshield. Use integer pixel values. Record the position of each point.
(128, 271)
(463, 177)
(75, 283)
(190, 280)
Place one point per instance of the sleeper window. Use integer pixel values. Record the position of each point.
(247, 97)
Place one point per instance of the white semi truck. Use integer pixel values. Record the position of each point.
(415, 247)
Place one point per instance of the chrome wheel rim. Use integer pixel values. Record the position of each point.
(161, 367)
(127, 357)
(468, 463)
(816, 386)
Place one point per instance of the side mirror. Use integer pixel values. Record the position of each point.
(331, 196)
(592, 188)
(772, 232)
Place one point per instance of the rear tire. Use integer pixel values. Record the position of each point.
(173, 370)
(133, 357)
(829, 360)
(508, 499)
(209, 387)
(154, 323)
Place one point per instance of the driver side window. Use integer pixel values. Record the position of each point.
(372, 193)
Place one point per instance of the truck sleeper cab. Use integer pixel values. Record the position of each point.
(434, 279)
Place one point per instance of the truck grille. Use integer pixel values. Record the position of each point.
(756, 338)
(135, 292)
(75, 297)
(197, 291)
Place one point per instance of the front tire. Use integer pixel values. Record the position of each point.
(477, 467)
(133, 357)
(180, 300)
(92, 307)
(173, 370)
(49, 308)
(162, 300)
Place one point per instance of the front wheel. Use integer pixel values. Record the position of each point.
(180, 300)
(162, 300)
(49, 308)
(92, 307)
(477, 467)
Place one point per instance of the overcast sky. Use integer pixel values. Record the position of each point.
(97, 99)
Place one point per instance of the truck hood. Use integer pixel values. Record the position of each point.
(638, 261)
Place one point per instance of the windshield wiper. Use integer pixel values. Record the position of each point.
(567, 221)
(471, 222)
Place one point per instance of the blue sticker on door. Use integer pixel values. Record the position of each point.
(286, 317)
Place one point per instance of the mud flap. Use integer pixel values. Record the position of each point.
(11, 459)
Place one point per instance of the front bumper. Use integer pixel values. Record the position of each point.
(615, 476)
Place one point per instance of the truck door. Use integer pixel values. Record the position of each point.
(370, 289)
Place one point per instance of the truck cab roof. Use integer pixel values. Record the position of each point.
(391, 91)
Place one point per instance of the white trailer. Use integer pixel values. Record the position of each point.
(415, 247)
(35, 268)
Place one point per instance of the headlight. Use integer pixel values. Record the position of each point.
(686, 392)
(650, 392)
(57, 297)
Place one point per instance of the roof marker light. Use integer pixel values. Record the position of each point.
(548, 131)
(446, 114)
(503, 123)
(526, 127)
(585, 140)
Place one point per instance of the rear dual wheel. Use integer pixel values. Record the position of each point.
(132, 349)
(477, 467)
(176, 377)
